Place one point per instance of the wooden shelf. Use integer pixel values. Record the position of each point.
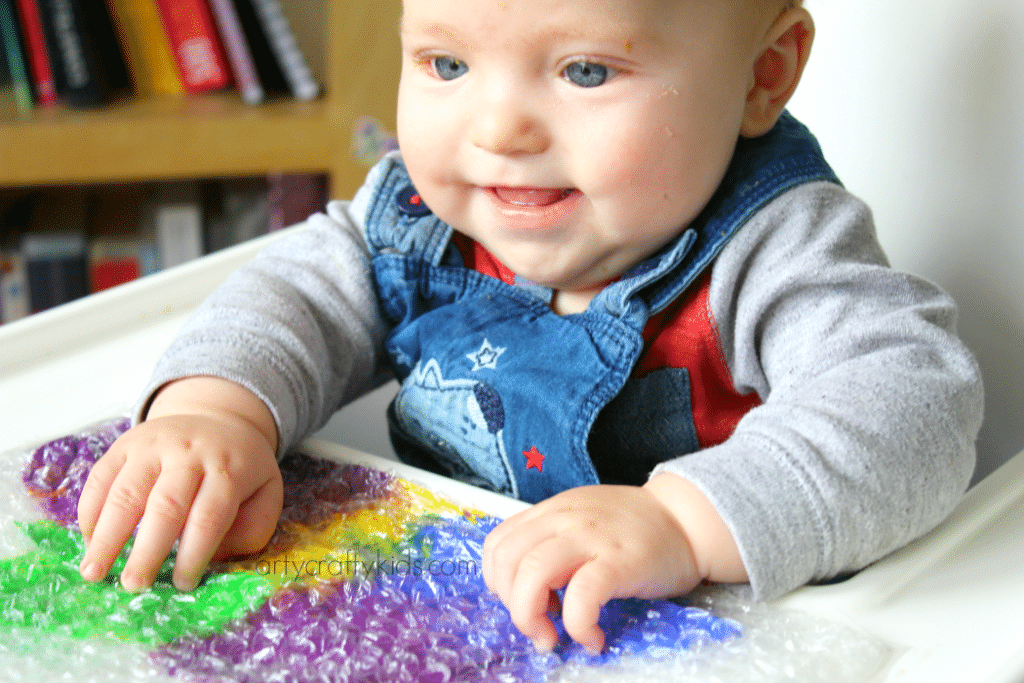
(353, 50)
(164, 137)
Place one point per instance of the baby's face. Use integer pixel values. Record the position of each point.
(572, 138)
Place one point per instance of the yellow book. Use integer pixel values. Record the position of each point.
(146, 47)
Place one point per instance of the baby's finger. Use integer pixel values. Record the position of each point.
(212, 514)
(122, 509)
(97, 487)
(255, 522)
(593, 585)
(167, 509)
(547, 567)
(503, 556)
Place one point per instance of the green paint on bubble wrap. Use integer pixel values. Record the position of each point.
(43, 591)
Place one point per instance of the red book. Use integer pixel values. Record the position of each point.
(38, 58)
(112, 272)
(195, 44)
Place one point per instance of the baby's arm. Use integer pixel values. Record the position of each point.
(201, 467)
(298, 325)
(603, 542)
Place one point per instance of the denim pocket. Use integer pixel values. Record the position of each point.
(648, 422)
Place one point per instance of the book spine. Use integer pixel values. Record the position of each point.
(239, 55)
(15, 58)
(56, 268)
(112, 263)
(294, 197)
(286, 50)
(86, 58)
(179, 233)
(195, 45)
(38, 59)
(14, 303)
(271, 77)
(149, 53)
(178, 222)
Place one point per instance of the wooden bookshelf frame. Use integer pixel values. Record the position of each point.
(353, 44)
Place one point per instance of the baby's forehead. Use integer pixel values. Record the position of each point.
(649, 17)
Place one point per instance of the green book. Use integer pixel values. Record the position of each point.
(15, 56)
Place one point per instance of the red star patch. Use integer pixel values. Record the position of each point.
(534, 459)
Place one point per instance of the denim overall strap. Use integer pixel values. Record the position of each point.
(398, 222)
(761, 169)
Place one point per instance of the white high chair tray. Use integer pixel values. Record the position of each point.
(952, 603)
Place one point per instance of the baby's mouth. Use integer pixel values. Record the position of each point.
(532, 196)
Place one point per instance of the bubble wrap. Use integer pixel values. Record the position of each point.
(368, 578)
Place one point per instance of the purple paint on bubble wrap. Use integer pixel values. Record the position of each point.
(56, 472)
(316, 490)
(416, 625)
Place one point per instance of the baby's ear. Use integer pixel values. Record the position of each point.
(778, 70)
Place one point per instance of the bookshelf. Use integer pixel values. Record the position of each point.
(352, 48)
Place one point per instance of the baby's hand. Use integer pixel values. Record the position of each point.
(599, 543)
(209, 478)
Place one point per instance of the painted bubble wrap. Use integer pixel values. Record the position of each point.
(369, 577)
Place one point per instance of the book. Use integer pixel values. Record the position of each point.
(237, 210)
(15, 215)
(54, 247)
(85, 55)
(243, 67)
(56, 268)
(116, 240)
(112, 262)
(271, 77)
(147, 50)
(14, 303)
(295, 197)
(195, 44)
(292, 63)
(177, 212)
(5, 76)
(38, 58)
(15, 56)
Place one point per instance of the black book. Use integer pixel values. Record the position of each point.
(5, 75)
(88, 65)
(57, 269)
(271, 75)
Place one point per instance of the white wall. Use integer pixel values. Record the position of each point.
(919, 106)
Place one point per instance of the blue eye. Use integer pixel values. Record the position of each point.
(448, 68)
(586, 74)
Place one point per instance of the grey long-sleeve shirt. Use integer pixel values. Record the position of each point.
(864, 440)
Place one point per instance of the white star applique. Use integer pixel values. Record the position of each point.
(486, 356)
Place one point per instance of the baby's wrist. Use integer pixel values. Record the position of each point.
(216, 398)
(714, 550)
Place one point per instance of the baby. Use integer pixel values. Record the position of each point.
(614, 278)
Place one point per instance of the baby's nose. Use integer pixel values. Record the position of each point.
(506, 125)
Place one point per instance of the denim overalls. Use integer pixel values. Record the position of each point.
(498, 390)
